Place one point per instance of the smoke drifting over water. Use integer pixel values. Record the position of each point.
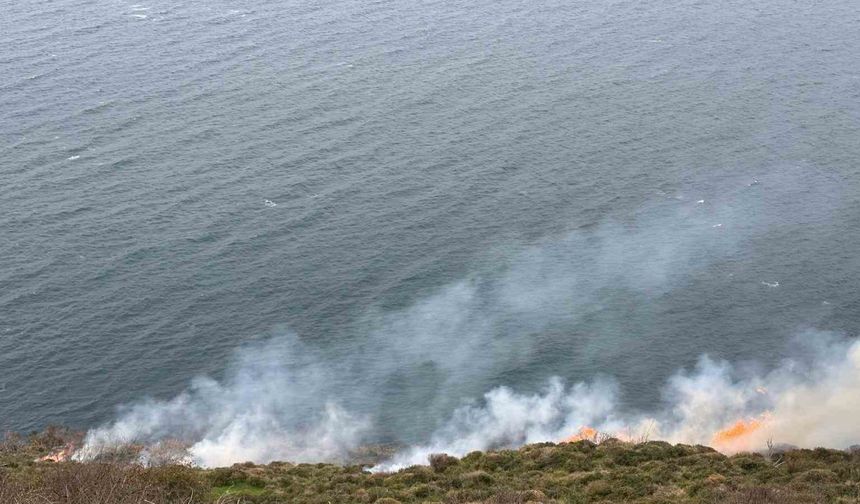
(417, 372)
(807, 403)
(262, 411)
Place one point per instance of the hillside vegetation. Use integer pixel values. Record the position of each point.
(580, 472)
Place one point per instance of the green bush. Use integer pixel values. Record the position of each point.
(441, 461)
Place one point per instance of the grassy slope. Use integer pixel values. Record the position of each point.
(611, 472)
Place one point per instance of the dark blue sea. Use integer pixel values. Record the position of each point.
(426, 199)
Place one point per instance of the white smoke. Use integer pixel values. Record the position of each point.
(401, 371)
(507, 419)
(263, 411)
(807, 402)
(811, 402)
(472, 330)
(258, 437)
(820, 407)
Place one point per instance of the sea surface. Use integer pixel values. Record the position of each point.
(590, 187)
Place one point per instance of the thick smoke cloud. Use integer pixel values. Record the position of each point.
(808, 402)
(422, 372)
(261, 411)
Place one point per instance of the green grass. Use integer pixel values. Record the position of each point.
(581, 472)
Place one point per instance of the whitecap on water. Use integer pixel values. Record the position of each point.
(270, 203)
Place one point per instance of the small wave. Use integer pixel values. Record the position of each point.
(270, 203)
(72, 158)
(772, 285)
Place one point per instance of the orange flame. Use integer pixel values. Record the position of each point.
(60, 455)
(736, 437)
(584, 434)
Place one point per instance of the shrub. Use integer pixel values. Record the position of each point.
(476, 478)
(818, 476)
(97, 483)
(441, 461)
(598, 488)
(763, 495)
(53, 437)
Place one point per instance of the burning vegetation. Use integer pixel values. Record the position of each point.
(743, 435)
(584, 434)
(740, 436)
(62, 454)
(576, 471)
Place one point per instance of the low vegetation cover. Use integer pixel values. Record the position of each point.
(578, 472)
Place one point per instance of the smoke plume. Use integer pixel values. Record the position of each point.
(540, 317)
(809, 402)
(262, 411)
